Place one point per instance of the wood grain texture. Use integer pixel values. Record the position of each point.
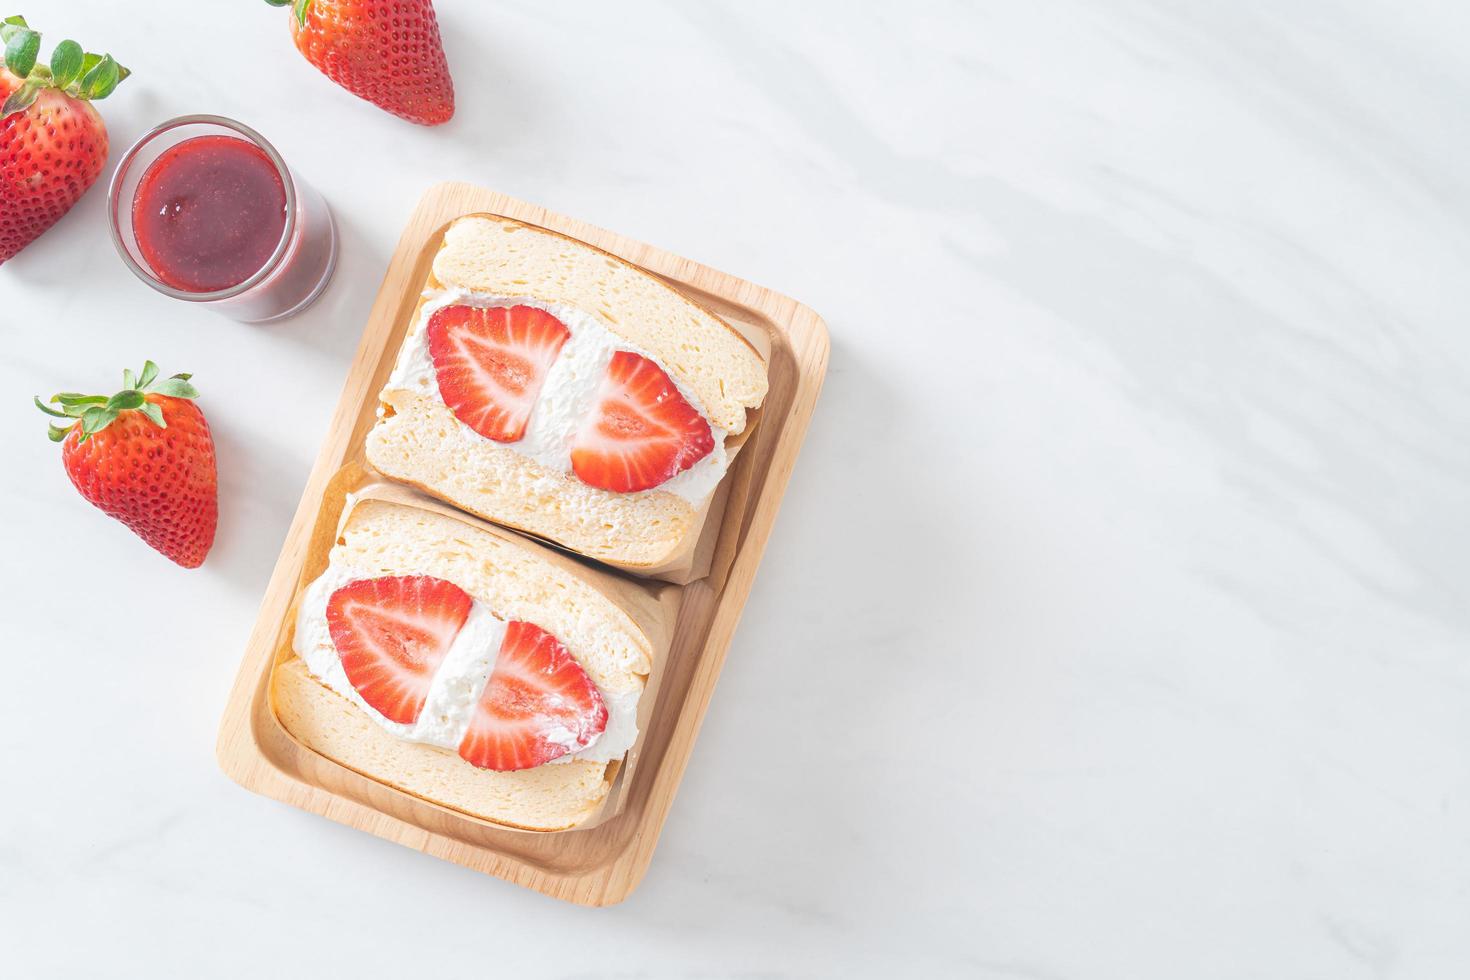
(603, 864)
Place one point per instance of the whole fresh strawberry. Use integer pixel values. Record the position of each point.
(145, 457)
(385, 51)
(52, 141)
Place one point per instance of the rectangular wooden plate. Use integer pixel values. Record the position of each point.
(603, 864)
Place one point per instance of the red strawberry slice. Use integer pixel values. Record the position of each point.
(642, 433)
(538, 705)
(392, 633)
(490, 363)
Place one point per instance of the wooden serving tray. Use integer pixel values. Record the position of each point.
(602, 864)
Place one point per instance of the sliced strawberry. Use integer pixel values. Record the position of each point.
(490, 363)
(538, 705)
(642, 432)
(392, 633)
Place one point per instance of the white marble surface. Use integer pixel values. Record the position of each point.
(1117, 624)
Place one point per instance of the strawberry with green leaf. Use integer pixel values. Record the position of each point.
(53, 143)
(385, 51)
(144, 456)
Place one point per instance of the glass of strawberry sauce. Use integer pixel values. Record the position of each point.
(204, 209)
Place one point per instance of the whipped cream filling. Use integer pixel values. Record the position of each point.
(458, 683)
(568, 394)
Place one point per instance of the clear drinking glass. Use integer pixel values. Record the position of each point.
(296, 272)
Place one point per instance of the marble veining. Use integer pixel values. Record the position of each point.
(1117, 623)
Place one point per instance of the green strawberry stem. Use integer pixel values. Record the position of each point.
(299, 8)
(78, 73)
(97, 412)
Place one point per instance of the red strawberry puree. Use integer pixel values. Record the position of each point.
(208, 213)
